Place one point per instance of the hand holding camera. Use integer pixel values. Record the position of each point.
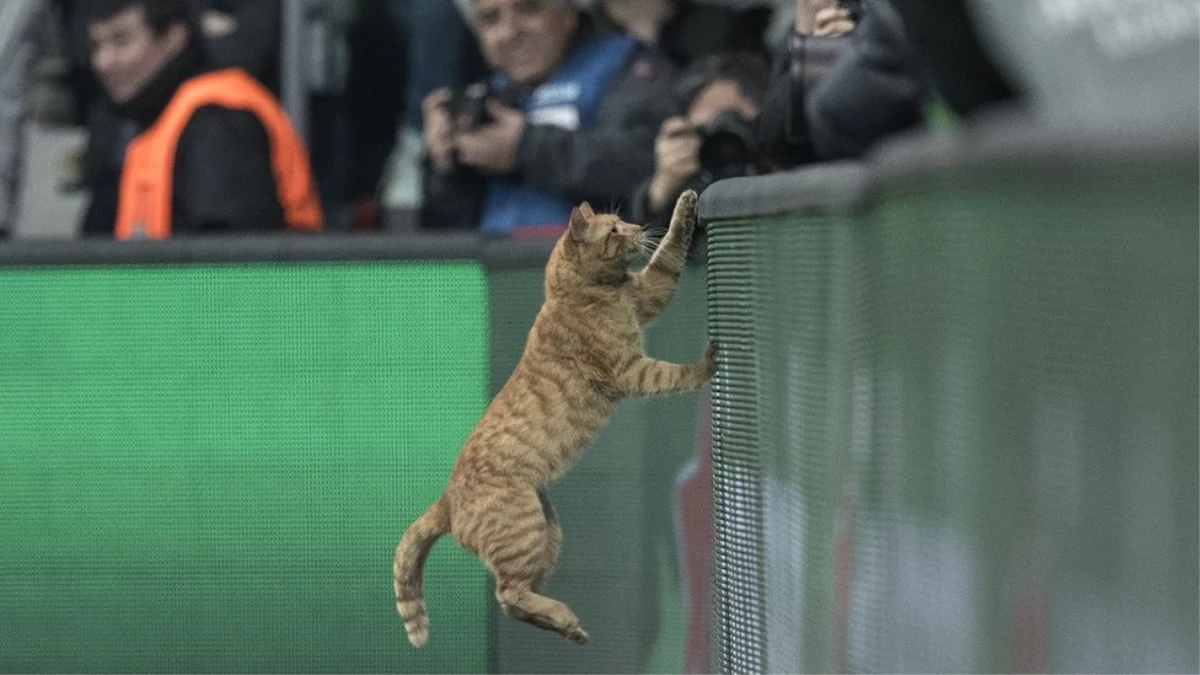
(676, 160)
(722, 148)
(471, 128)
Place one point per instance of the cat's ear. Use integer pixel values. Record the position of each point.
(586, 209)
(579, 222)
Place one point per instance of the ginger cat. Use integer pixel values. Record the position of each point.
(584, 353)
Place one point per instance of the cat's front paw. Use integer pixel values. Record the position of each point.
(687, 200)
(683, 220)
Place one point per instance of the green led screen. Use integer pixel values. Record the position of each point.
(205, 468)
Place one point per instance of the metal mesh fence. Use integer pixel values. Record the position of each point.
(956, 429)
(1041, 331)
(736, 433)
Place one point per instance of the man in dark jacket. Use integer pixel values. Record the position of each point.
(875, 88)
(902, 56)
(223, 169)
(572, 117)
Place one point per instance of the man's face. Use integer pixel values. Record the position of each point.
(127, 54)
(525, 39)
(717, 97)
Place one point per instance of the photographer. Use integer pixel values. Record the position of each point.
(568, 116)
(712, 140)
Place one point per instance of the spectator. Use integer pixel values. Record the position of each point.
(686, 30)
(19, 22)
(713, 139)
(211, 150)
(817, 38)
(882, 82)
(876, 88)
(577, 121)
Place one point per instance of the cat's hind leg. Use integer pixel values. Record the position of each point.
(521, 551)
(541, 611)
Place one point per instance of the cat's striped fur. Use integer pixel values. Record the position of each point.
(583, 354)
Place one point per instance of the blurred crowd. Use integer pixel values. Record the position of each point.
(493, 116)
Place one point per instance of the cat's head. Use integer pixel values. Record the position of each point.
(601, 245)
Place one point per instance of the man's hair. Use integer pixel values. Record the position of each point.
(160, 14)
(749, 72)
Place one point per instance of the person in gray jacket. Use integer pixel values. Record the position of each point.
(19, 31)
(568, 115)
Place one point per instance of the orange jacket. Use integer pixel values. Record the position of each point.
(144, 206)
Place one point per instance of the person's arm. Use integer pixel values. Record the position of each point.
(814, 44)
(223, 178)
(452, 193)
(676, 162)
(874, 89)
(603, 164)
(780, 130)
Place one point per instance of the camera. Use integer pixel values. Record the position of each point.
(468, 106)
(727, 146)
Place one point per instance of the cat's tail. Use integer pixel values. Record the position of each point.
(409, 565)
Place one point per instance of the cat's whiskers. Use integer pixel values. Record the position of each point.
(651, 238)
(647, 248)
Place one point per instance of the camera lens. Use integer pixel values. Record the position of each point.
(727, 145)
